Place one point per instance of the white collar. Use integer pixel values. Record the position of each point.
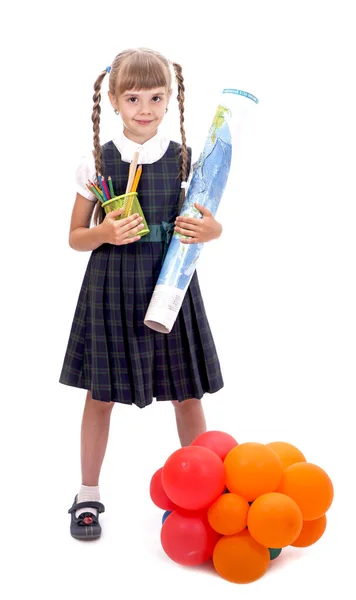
(150, 151)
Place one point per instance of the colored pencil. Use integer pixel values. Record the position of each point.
(102, 188)
(96, 187)
(94, 191)
(111, 187)
(136, 178)
(106, 188)
(132, 171)
(129, 203)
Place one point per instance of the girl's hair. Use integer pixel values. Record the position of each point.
(141, 69)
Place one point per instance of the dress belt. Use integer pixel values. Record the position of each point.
(160, 233)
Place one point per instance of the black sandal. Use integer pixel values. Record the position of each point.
(86, 526)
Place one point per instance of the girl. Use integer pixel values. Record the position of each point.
(111, 353)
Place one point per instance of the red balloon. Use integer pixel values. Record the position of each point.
(188, 541)
(203, 513)
(219, 442)
(157, 493)
(193, 477)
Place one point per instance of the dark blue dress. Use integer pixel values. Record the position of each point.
(110, 351)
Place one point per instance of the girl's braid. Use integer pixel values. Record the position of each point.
(95, 117)
(184, 152)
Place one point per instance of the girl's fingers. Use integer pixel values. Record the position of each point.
(137, 229)
(187, 225)
(123, 222)
(130, 224)
(191, 240)
(187, 232)
(130, 235)
(130, 240)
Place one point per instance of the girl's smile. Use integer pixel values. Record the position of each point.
(140, 122)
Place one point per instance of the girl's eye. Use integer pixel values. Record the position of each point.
(134, 100)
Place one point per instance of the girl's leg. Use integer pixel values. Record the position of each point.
(190, 420)
(94, 439)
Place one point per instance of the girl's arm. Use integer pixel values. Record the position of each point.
(81, 236)
(198, 230)
(84, 238)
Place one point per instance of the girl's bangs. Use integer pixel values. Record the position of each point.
(142, 72)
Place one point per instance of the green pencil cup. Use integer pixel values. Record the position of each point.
(131, 205)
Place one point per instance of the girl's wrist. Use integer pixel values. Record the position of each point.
(100, 233)
(86, 239)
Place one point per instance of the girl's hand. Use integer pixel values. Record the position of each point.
(121, 232)
(198, 230)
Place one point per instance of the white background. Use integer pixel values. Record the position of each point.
(279, 286)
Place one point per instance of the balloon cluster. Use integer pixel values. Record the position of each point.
(239, 505)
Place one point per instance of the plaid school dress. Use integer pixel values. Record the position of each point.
(110, 351)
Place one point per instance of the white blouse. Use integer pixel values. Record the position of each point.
(149, 152)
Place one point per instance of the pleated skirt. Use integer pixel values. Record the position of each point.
(116, 357)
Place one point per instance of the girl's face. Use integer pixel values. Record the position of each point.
(142, 111)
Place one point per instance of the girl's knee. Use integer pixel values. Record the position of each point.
(185, 404)
(97, 405)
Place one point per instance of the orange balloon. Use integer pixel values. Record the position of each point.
(274, 520)
(252, 469)
(240, 559)
(310, 487)
(228, 514)
(311, 532)
(288, 453)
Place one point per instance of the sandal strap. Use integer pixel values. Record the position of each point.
(81, 519)
(90, 504)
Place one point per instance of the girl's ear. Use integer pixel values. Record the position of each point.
(112, 100)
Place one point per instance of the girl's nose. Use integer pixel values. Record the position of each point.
(145, 109)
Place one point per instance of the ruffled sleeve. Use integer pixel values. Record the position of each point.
(85, 171)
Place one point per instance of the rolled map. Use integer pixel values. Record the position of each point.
(206, 187)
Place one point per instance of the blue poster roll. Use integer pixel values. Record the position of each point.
(206, 188)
